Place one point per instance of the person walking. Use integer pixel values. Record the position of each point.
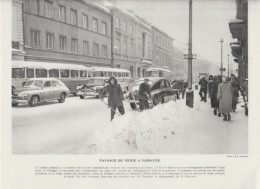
(144, 94)
(203, 89)
(210, 84)
(183, 88)
(214, 99)
(225, 98)
(115, 97)
(235, 90)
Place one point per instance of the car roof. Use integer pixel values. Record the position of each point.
(44, 79)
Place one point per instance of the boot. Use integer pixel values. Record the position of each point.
(225, 117)
(215, 111)
(228, 117)
(219, 114)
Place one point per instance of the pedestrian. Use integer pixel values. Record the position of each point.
(115, 97)
(210, 85)
(225, 98)
(235, 93)
(183, 88)
(144, 94)
(214, 99)
(203, 89)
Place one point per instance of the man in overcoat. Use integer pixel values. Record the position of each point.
(144, 94)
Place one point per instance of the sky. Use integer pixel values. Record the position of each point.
(210, 23)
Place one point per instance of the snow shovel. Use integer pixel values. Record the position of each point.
(149, 100)
(135, 102)
(111, 108)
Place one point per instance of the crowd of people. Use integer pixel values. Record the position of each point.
(223, 92)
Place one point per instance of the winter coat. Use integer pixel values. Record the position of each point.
(144, 88)
(115, 93)
(225, 97)
(203, 83)
(211, 86)
(214, 99)
(235, 88)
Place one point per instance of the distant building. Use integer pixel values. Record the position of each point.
(239, 30)
(67, 31)
(180, 66)
(162, 49)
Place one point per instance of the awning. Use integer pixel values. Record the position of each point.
(236, 50)
(147, 62)
(237, 28)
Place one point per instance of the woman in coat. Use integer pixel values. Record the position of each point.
(225, 98)
(214, 99)
(115, 96)
(210, 85)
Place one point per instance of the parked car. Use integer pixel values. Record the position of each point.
(38, 90)
(93, 87)
(161, 91)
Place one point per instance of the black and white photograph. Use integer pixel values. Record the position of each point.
(129, 77)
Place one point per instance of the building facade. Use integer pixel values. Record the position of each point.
(180, 66)
(67, 31)
(239, 30)
(17, 30)
(162, 49)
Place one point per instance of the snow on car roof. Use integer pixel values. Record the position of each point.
(47, 65)
(109, 69)
(44, 79)
(158, 69)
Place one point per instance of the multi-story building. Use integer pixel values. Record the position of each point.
(180, 66)
(17, 30)
(162, 49)
(143, 46)
(239, 30)
(67, 31)
(124, 40)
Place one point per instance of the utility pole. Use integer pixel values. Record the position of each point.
(228, 66)
(190, 56)
(221, 67)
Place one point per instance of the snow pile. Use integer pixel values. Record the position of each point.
(143, 132)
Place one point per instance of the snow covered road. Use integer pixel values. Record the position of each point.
(84, 127)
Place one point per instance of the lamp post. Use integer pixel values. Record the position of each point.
(221, 68)
(190, 56)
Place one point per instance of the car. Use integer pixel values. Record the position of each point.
(39, 90)
(93, 87)
(161, 91)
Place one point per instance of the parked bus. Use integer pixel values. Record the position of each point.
(71, 75)
(123, 76)
(159, 72)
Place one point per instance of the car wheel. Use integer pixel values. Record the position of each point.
(14, 104)
(81, 97)
(62, 98)
(133, 106)
(34, 101)
(157, 100)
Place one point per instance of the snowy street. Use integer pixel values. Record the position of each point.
(83, 127)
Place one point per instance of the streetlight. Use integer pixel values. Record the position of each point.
(221, 68)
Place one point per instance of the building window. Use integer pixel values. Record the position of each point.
(48, 9)
(74, 45)
(85, 47)
(34, 6)
(132, 71)
(62, 13)
(118, 66)
(118, 44)
(35, 39)
(124, 46)
(104, 28)
(95, 24)
(104, 51)
(124, 26)
(131, 47)
(84, 21)
(63, 43)
(95, 49)
(49, 41)
(73, 17)
(117, 23)
(131, 29)
(138, 72)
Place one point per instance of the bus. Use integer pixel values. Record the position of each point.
(123, 76)
(159, 72)
(71, 75)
